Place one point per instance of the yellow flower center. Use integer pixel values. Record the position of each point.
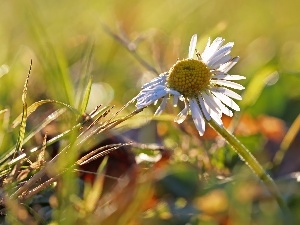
(189, 77)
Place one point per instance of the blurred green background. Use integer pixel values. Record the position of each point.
(59, 35)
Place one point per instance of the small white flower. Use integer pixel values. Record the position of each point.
(202, 84)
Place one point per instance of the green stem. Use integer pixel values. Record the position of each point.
(250, 160)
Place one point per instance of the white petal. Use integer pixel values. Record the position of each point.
(211, 50)
(173, 92)
(223, 108)
(183, 114)
(215, 45)
(216, 118)
(216, 64)
(226, 100)
(228, 77)
(192, 46)
(211, 104)
(205, 51)
(225, 50)
(214, 114)
(227, 92)
(227, 66)
(149, 96)
(219, 56)
(204, 109)
(152, 89)
(197, 117)
(161, 107)
(228, 84)
(175, 100)
(160, 80)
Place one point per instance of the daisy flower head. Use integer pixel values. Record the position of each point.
(202, 83)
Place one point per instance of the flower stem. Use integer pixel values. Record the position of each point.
(251, 161)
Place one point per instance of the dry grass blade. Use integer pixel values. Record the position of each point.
(35, 105)
(51, 163)
(56, 138)
(86, 95)
(106, 112)
(24, 114)
(48, 120)
(53, 116)
(29, 193)
(286, 142)
(114, 123)
(131, 47)
(105, 150)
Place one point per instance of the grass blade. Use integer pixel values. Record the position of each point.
(24, 113)
(86, 96)
(35, 105)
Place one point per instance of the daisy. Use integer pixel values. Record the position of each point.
(203, 84)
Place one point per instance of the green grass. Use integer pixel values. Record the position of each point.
(99, 53)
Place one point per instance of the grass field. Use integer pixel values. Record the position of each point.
(75, 150)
